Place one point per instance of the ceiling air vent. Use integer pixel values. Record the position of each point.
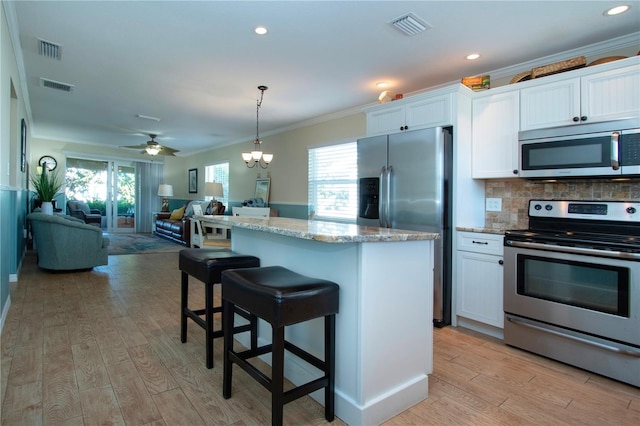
(56, 85)
(49, 49)
(410, 24)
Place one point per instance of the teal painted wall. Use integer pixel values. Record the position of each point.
(5, 246)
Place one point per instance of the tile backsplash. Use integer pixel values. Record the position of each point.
(516, 193)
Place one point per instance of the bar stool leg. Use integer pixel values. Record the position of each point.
(208, 317)
(227, 329)
(183, 306)
(277, 376)
(254, 331)
(330, 366)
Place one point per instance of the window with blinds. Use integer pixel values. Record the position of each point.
(333, 189)
(219, 173)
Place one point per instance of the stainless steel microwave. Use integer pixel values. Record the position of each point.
(606, 149)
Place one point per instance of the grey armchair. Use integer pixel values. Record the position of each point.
(81, 210)
(67, 243)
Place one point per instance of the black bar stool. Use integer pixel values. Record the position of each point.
(206, 265)
(281, 297)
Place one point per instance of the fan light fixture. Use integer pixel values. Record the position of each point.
(153, 148)
(257, 157)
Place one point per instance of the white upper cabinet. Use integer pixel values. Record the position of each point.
(611, 95)
(385, 121)
(550, 105)
(603, 96)
(495, 120)
(418, 113)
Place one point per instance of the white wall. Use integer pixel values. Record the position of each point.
(10, 174)
(288, 171)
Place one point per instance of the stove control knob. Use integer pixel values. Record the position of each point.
(537, 207)
(548, 207)
(631, 210)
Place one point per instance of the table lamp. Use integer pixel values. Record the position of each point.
(165, 191)
(214, 190)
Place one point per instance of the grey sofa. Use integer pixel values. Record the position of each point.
(67, 243)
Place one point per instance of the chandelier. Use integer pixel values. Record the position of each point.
(257, 157)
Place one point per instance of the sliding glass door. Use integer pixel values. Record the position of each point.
(87, 181)
(123, 178)
(105, 185)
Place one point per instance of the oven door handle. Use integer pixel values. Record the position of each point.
(610, 348)
(574, 250)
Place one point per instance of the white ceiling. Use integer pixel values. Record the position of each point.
(196, 65)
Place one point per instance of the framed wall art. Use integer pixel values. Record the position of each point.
(262, 190)
(23, 146)
(193, 181)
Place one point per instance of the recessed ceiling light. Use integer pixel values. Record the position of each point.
(382, 84)
(616, 10)
(261, 30)
(473, 56)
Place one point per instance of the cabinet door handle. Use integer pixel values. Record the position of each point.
(583, 118)
(576, 119)
(479, 242)
(501, 262)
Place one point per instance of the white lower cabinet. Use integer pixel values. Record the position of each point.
(479, 278)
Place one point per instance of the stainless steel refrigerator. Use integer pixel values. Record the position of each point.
(404, 182)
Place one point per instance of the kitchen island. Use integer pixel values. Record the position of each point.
(384, 334)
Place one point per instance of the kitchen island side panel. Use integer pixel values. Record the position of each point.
(384, 330)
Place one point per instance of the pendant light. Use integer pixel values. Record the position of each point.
(257, 157)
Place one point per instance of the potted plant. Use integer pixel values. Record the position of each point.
(46, 185)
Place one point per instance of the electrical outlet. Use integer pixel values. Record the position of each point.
(493, 205)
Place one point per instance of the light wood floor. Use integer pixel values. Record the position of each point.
(103, 347)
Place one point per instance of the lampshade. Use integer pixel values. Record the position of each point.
(213, 189)
(165, 190)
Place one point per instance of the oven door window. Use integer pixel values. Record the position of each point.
(597, 287)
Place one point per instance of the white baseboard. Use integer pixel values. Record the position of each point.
(5, 312)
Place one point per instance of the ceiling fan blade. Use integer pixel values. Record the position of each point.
(143, 146)
(166, 149)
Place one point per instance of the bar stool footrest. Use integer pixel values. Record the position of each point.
(240, 359)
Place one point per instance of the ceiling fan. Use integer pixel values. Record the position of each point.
(153, 148)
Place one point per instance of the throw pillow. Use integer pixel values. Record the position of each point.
(177, 214)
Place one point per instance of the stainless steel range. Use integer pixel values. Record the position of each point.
(572, 285)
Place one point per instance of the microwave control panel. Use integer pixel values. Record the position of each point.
(630, 149)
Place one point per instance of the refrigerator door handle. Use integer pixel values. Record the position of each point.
(381, 197)
(387, 202)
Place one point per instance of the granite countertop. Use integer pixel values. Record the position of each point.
(481, 230)
(328, 232)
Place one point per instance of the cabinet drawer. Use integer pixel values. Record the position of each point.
(480, 242)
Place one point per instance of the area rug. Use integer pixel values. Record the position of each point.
(140, 243)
